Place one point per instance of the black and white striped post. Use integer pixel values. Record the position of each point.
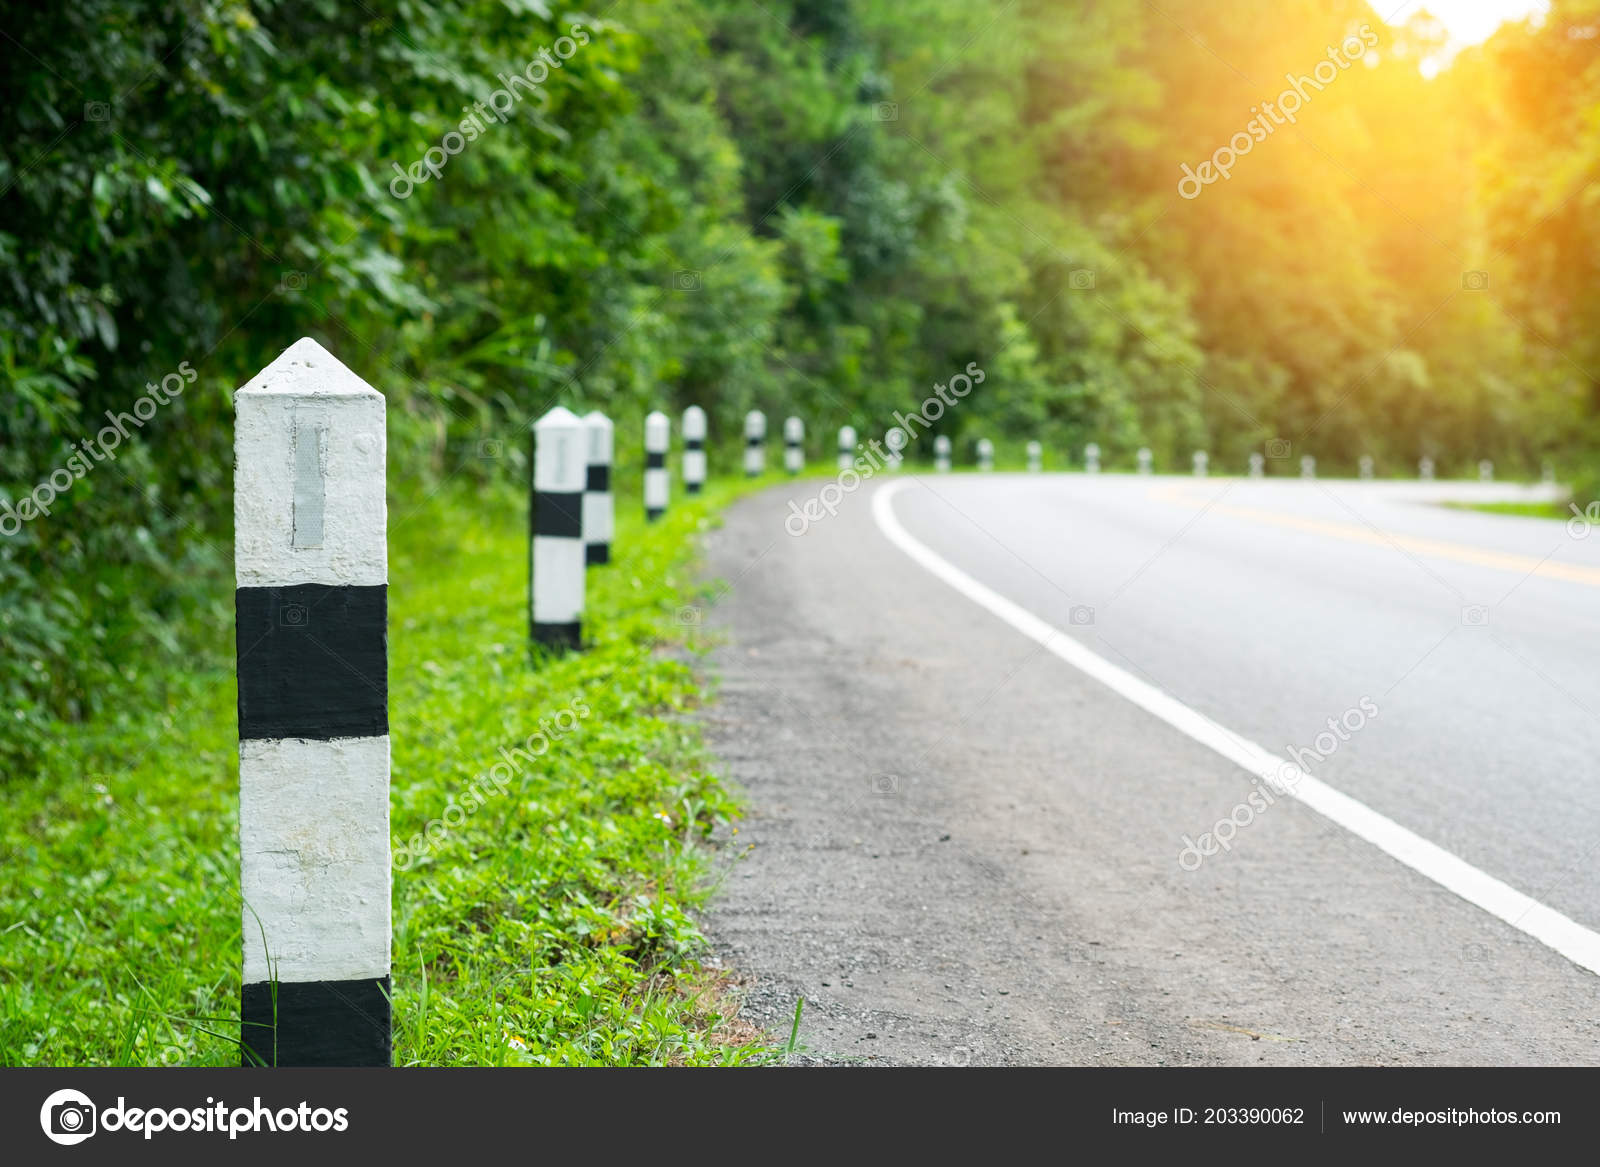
(1201, 460)
(794, 436)
(1486, 471)
(1364, 467)
(599, 509)
(1425, 469)
(894, 442)
(657, 437)
(847, 447)
(694, 449)
(1091, 458)
(985, 454)
(555, 590)
(1145, 459)
(941, 454)
(1258, 465)
(1035, 453)
(755, 444)
(311, 564)
(1308, 466)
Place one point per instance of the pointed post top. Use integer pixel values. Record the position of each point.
(596, 420)
(794, 428)
(306, 369)
(558, 418)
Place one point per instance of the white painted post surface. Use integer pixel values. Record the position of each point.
(1146, 459)
(985, 454)
(1547, 474)
(894, 441)
(599, 508)
(311, 564)
(941, 454)
(555, 601)
(794, 436)
(1258, 465)
(694, 449)
(657, 437)
(1425, 469)
(1308, 466)
(1201, 458)
(1485, 471)
(1366, 467)
(847, 447)
(1091, 458)
(755, 443)
(1035, 457)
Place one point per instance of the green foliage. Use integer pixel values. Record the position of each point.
(548, 925)
(814, 206)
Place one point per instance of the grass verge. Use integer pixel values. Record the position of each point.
(542, 908)
(1527, 510)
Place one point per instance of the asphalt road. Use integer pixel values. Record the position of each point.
(966, 848)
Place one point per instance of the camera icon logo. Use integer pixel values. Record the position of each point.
(1475, 616)
(1082, 614)
(688, 616)
(1278, 448)
(1475, 281)
(687, 280)
(886, 111)
(1081, 279)
(490, 448)
(292, 282)
(293, 616)
(67, 1117)
(96, 111)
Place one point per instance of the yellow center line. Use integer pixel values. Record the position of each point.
(1355, 533)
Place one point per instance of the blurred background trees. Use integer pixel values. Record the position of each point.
(811, 206)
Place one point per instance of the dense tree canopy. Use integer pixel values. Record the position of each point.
(817, 206)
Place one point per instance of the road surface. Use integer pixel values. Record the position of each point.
(994, 731)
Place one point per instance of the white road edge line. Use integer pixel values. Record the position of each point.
(1527, 915)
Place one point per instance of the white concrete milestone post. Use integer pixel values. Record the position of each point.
(599, 508)
(555, 591)
(694, 449)
(794, 454)
(941, 454)
(311, 564)
(894, 441)
(1486, 471)
(755, 444)
(1035, 457)
(1258, 465)
(1091, 459)
(1364, 467)
(1145, 459)
(1201, 460)
(847, 447)
(657, 436)
(985, 454)
(1425, 469)
(1308, 466)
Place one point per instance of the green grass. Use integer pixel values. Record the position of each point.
(1527, 510)
(547, 923)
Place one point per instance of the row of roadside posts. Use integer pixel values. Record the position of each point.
(573, 510)
(311, 568)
